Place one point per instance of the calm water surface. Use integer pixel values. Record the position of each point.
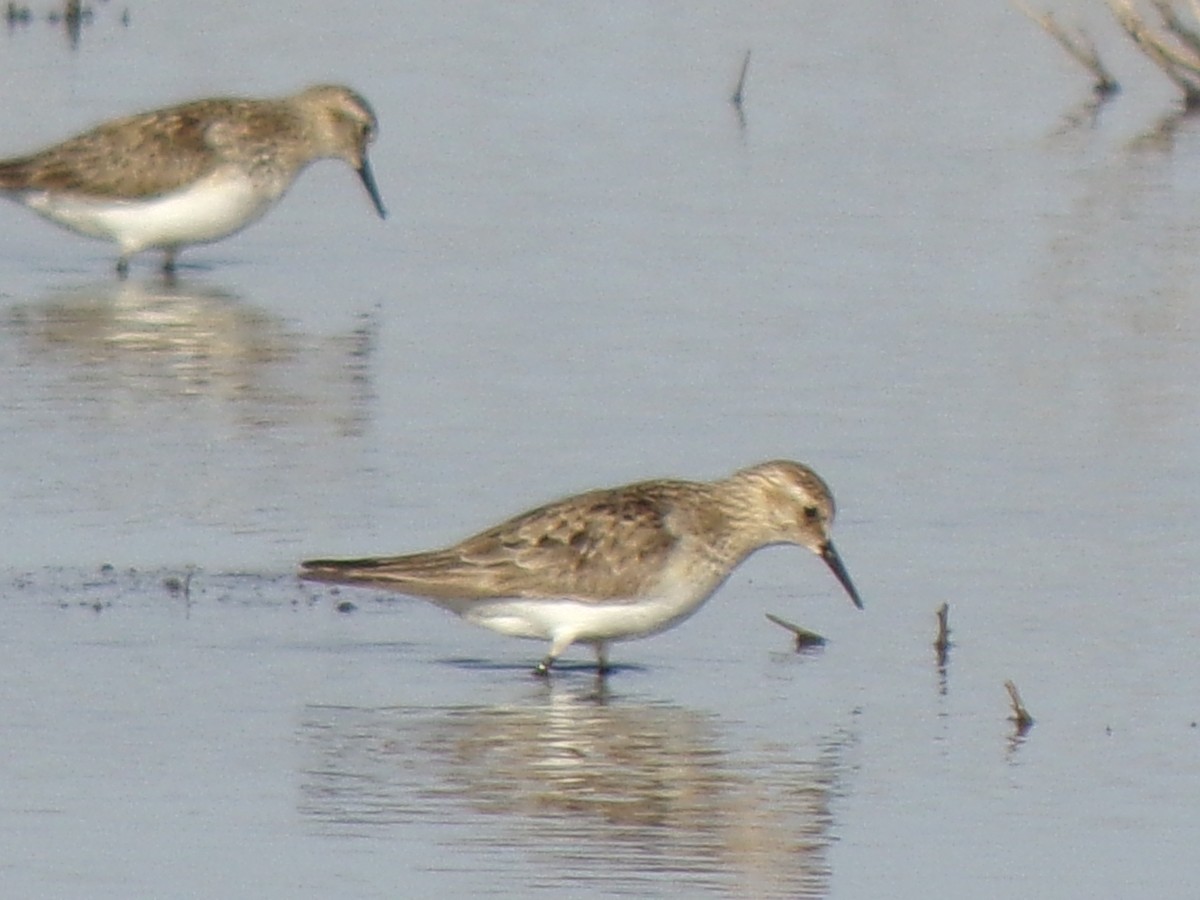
(917, 262)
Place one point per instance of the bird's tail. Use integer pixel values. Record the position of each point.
(14, 174)
(346, 570)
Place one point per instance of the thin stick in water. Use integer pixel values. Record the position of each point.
(942, 642)
(1182, 68)
(1078, 46)
(1171, 21)
(1020, 715)
(739, 92)
(804, 637)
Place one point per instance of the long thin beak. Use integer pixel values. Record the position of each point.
(368, 180)
(830, 555)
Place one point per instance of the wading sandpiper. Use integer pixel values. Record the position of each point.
(193, 173)
(613, 564)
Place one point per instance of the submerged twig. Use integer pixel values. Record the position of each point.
(1079, 47)
(804, 637)
(1020, 716)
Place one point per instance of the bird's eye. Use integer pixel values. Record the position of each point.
(811, 513)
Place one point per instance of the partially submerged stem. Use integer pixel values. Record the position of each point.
(1020, 715)
(739, 91)
(804, 637)
(1171, 21)
(1078, 46)
(942, 642)
(1177, 59)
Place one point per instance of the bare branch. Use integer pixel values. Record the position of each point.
(1187, 35)
(1183, 70)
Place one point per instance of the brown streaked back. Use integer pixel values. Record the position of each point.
(152, 153)
(602, 545)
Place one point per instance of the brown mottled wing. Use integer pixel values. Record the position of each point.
(602, 545)
(140, 156)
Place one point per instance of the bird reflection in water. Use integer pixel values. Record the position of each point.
(162, 340)
(630, 794)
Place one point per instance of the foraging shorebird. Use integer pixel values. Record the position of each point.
(612, 564)
(193, 173)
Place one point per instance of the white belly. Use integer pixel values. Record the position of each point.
(583, 621)
(211, 209)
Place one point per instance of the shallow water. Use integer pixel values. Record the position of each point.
(918, 263)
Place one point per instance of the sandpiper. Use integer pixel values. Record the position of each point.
(193, 173)
(611, 564)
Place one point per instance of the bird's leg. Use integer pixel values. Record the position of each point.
(122, 267)
(560, 643)
(602, 666)
(169, 261)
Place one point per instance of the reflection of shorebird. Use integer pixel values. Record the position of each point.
(666, 809)
(614, 564)
(153, 334)
(193, 173)
(164, 342)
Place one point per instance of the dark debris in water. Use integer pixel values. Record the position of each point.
(70, 15)
(18, 14)
(109, 586)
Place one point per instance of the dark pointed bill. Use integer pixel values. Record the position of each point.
(368, 180)
(834, 562)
